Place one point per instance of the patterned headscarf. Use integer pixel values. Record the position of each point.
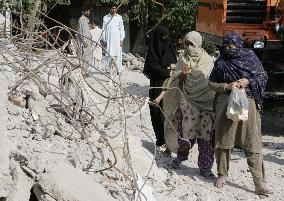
(237, 63)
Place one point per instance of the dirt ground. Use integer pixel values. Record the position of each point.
(186, 183)
(273, 123)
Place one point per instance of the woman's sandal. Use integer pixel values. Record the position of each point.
(176, 163)
(221, 181)
(263, 189)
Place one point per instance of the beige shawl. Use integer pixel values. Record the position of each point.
(195, 87)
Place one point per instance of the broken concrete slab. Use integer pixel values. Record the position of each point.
(65, 183)
(6, 184)
(40, 195)
(22, 183)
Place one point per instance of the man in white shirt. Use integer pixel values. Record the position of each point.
(113, 35)
(84, 36)
(96, 33)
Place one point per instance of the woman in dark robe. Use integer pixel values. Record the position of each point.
(160, 55)
(239, 67)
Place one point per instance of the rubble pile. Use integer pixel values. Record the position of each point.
(60, 122)
(73, 138)
(133, 62)
(65, 136)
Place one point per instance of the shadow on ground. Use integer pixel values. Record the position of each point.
(273, 124)
(138, 90)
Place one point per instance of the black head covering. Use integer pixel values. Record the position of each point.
(161, 52)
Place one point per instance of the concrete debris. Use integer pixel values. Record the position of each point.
(133, 62)
(18, 101)
(6, 183)
(40, 194)
(63, 182)
(146, 193)
(67, 137)
(22, 184)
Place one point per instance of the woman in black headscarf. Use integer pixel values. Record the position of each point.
(160, 56)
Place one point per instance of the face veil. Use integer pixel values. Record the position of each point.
(161, 51)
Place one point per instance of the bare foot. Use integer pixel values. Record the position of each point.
(263, 189)
(221, 181)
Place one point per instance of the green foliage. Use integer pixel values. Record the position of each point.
(27, 4)
(210, 48)
(178, 15)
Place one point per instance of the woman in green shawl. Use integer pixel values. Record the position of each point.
(188, 105)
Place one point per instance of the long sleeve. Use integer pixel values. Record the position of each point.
(86, 31)
(218, 87)
(168, 82)
(165, 84)
(159, 72)
(121, 28)
(104, 30)
(79, 36)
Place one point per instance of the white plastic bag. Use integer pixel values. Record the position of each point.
(238, 105)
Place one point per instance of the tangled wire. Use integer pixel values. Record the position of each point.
(41, 58)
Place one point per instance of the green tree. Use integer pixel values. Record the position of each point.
(31, 7)
(178, 15)
(28, 4)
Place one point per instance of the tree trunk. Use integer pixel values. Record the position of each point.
(33, 11)
(8, 20)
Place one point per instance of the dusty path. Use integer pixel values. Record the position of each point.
(186, 184)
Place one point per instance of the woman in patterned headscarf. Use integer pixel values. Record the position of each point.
(192, 109)
(239, 67)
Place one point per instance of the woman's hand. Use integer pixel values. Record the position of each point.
(159, 98)
(171, 72)
(185, 69)
(243, 83)
(229, 87)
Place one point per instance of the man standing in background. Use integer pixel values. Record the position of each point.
(113, 35)
(96, 33)
(84, 37)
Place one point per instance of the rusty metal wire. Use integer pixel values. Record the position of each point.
(41, 58)
(91, 103)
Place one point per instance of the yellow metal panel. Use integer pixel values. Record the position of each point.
(210, 17)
